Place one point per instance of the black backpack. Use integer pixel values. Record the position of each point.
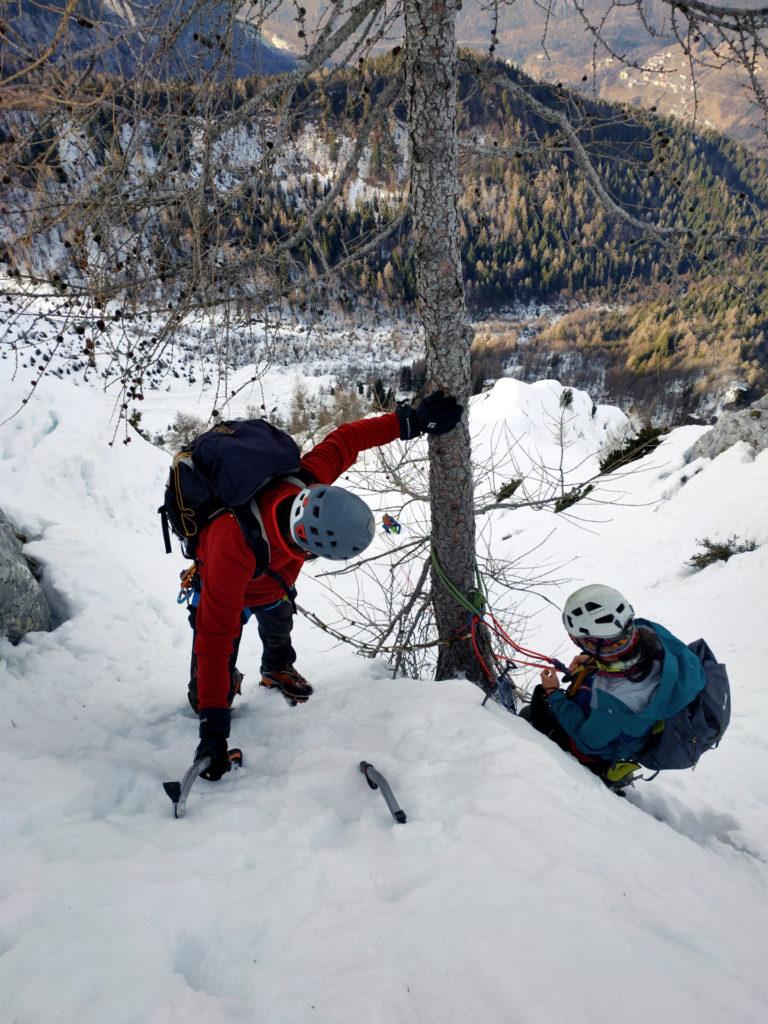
(679, 741)
(221, 472)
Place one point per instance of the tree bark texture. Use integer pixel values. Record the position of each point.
(431, 67)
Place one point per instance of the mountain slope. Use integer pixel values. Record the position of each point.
(520, 889)
(551, 41)
(531, 228)
(177, 38)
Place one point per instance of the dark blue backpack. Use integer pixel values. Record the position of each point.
(679, 741)
(221, 472)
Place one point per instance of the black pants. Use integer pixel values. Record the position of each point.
(275, 622)
(541, 718)
(538, 715)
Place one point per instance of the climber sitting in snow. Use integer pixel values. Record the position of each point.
(631, 674)
(301, 518)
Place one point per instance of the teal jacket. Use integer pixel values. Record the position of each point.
(613, 731)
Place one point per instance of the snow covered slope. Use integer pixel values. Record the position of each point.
(520, 890)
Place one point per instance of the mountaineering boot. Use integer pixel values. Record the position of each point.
(620, 775)
(293, 686)
(235, 686)
(235, 689)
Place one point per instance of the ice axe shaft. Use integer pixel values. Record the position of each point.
(376, 780)
(179, 791)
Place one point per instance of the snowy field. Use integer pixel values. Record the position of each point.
(210, 364)
(519, 892)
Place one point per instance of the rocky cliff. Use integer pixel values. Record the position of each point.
(23, 607)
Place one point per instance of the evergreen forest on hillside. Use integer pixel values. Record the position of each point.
(532, 229)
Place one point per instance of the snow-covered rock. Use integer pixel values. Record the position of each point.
(23, 607)
(750, 425)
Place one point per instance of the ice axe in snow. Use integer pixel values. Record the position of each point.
(179, 791)
(376, 780)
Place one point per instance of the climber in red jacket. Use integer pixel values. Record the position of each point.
(299, 524)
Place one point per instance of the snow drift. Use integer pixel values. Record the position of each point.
(519, 890)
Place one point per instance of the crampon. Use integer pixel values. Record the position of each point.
(289, 683)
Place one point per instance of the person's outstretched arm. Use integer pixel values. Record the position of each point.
(436, 414)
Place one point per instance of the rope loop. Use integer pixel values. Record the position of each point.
(479, 615)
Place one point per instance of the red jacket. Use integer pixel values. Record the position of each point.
(227, 564)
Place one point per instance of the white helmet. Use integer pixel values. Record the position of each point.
(597, 611)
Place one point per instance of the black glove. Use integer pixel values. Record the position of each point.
(214, 732)
(436, 414)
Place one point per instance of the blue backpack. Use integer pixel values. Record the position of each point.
(221, 472)
(680, 740)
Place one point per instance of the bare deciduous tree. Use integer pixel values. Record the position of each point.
(142, 173)
(432, 63)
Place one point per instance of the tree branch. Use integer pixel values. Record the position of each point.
(579, 153)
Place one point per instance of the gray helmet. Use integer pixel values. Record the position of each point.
(597, 611)
(331, 522)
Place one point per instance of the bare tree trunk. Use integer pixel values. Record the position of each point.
(431, 65)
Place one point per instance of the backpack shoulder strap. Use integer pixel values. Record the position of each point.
(290, 592)
(250, 520)
(301, 479)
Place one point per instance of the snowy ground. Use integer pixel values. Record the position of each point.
(520, 890)
(269, 360)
